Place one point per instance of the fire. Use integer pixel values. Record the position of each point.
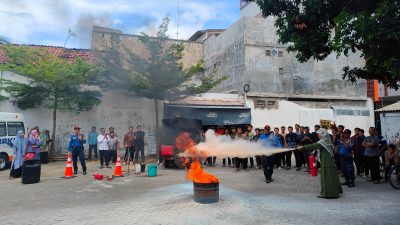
(195, 173)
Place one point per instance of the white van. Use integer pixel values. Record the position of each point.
(10, 124)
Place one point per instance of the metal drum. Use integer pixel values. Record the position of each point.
(206, 193)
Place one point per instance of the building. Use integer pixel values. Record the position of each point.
(389, 117)
(279, 89)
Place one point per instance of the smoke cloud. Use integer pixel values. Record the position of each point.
(221, 146)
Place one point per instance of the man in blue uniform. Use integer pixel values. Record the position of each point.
(268, 139)
(75, 146)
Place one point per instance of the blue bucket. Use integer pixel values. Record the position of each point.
(152, 170)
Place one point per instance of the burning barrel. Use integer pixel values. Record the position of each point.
(206, 193)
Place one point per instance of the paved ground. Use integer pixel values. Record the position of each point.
(245, 198)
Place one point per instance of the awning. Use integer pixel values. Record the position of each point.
(210, 115)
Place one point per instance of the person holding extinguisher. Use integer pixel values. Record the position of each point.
(330, 184)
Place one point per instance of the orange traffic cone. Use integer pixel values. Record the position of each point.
(118, 168)
(68, 168)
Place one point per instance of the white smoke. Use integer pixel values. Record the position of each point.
(222, 146)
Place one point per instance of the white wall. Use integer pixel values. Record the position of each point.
(118, 109)
(250, 10)
(390, 126)
(289, 113)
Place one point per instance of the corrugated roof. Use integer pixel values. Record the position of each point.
(390, 108)
(202, 101)
(66, 53)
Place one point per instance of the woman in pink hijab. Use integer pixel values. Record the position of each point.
(34, 143)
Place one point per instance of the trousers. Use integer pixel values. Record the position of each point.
(104, 157)
(141, 150)
(94, 149)
(267, 163)
(78, 152)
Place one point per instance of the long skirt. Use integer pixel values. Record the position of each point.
(16, 173)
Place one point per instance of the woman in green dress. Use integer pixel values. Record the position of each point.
(330, 184)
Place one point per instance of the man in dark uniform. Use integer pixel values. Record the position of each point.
(75, 146)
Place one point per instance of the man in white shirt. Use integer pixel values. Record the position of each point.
(104, 150)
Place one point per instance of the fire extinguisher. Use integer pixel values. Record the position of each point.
(313, 166)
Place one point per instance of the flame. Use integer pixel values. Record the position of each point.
(195, 173)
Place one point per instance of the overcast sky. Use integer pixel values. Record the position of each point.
(46, 22)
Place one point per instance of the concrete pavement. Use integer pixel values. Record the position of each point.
(245, 198)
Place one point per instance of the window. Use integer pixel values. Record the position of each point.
(280, 71)
(271, 104)
(14, 127)
(3, 130)
(280, 53)
(268, 52)
(260, 104)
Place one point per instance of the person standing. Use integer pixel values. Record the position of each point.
(268, 139)
(358, 151)
(128, 144)
(92, 141)
(226, 138)
(104, 152)
(256, 137)
(139, 144)
(113, 153)
(292, 141)
(346, 157)
(371, 144)
(19, 147)
(75, 146)
(113, 145)
(44, 154)
(306, 140)
(279, 156)
(329, 179)
(34, 143)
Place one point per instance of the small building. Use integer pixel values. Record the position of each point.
(390, 122)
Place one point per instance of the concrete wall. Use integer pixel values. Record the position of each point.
(322, 78)
(118, 109)
(390, 126)
(224, 55)
(250, 10)
(288, 113)
(101, 37)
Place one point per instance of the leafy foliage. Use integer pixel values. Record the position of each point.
(157, 75)
(54, 82)
(317, 28)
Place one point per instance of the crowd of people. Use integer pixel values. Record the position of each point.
(37, 143)
(105, 147)
(353, 154)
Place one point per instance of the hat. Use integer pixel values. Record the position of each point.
(77, 128)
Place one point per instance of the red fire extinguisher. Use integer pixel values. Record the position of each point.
(313, 166)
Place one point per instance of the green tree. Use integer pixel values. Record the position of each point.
(53, 82)
(159, 75)
(317, 28)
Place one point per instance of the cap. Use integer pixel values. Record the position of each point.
(77, 128)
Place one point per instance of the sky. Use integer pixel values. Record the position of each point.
(47, 22)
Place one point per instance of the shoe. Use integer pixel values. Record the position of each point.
(298, 169)
(268, 181)
(272, 180)
(223, 166)
(113, 164)
(287, 168)
(320, 196)
(75, 172)
(84, 173)
(237, 170)
(351, 185)
(377, 182)
(345, 183)
(101, 167)
(108, 167)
